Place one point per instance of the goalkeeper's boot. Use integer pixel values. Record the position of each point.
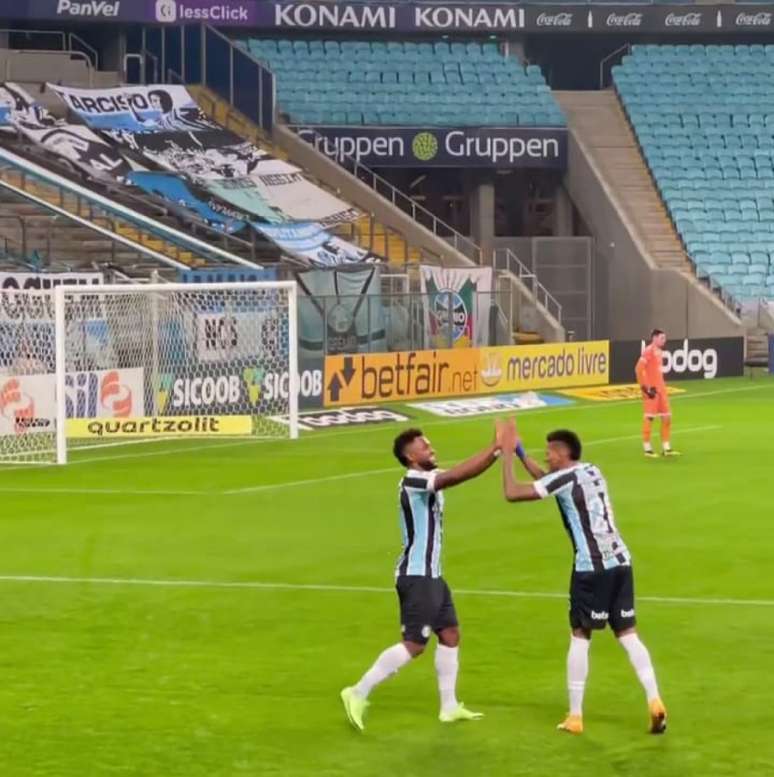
(671, 452)
(355, 707)
(572, 724)
(658, 716)
(460, 712)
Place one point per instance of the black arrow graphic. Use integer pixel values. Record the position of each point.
(334, 388)
(349, 370)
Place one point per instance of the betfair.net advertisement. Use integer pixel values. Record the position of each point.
(405, 375)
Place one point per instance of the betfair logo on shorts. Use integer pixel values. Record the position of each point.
(627, 613)
(599, 616)
(160, 426)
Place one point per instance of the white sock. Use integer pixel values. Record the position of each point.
(647, 447)
(640, 658)
(386, 665)
(577, 671)
(666, 446)
(446, 666)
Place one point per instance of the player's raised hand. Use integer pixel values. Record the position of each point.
(506, 434)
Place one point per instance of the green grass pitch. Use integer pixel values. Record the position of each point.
(103, 678)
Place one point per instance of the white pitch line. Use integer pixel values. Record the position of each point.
(98, 491)
(310, 481)
(430, 422)
(323, 587)
(285, 484)
(349, 475)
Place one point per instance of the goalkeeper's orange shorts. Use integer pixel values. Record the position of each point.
(658, 406)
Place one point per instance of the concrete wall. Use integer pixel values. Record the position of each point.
(640, 295)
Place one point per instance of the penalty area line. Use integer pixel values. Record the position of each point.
(322, 587)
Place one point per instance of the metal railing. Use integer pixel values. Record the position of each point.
(115, 216)
(399, 199)
(618, 54)
(504, 260)
(67, 41)
(8, 66)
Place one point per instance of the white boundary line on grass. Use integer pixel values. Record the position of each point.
(321, 587)
(429, 422)
(285, 484)
(346, 476)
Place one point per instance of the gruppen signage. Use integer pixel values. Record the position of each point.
(432, 147)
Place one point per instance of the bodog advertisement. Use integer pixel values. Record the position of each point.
(406, 375)
(687, 359)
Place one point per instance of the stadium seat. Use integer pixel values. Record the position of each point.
(420, 82)
(702, 117)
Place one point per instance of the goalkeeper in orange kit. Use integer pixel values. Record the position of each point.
(650, 376)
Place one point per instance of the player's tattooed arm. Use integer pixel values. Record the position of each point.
(512, 491)
(468, 469)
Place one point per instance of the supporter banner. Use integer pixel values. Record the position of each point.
(312, 242)
(340, 311)
(687, 359)
(358, 379)
(493, 147)
(156, 426)
(234, 389)
(73, 142)
(31, 308)
(428, 17)
(27, 402)
(185, 196)
(164, 124)
(457, 306)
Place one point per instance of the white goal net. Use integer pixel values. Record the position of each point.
(111, 365)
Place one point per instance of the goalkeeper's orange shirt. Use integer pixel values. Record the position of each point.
(650, 367)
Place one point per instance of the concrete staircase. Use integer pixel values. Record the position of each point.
(600, 124)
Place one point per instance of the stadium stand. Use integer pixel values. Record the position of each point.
(331, 82)
(704, 120)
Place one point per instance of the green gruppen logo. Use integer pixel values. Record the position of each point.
(424, 146)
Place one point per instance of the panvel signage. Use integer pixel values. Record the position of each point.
(491, 147)
(407, 375)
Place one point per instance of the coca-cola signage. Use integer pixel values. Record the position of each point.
(757, 20)
(691, 19)
(629, 19)
(563, 19)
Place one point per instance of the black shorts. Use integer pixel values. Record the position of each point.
(598, 598)
(426, 607)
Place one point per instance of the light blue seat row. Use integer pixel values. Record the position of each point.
(401, 82)
(704, 119)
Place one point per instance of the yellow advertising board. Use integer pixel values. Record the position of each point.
(160, 426)
(407, 375)
(403, 375)
(545, 366)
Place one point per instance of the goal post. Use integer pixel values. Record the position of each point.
(139, 362)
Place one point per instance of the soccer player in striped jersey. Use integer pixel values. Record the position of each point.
(426, 605)
(602, 584)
